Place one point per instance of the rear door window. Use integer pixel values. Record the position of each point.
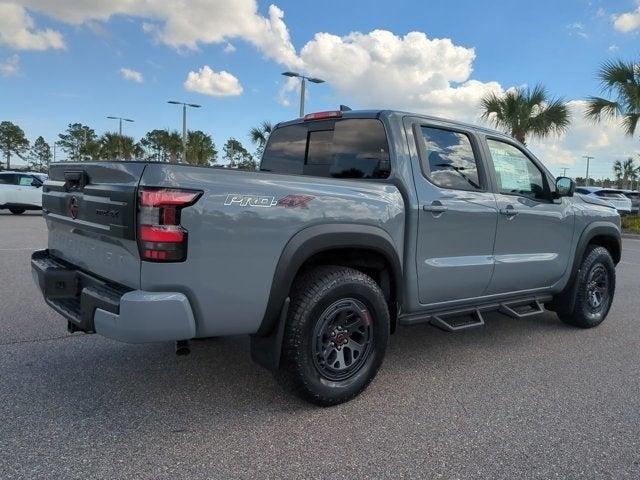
(448, 159)
(8, 179)
(350, 148)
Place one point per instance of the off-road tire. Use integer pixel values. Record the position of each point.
(314, 294)
(597, 260)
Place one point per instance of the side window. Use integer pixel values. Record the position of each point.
(25, 181)
(8, 179)
(582, 191)
(448, 159)
(516, 173)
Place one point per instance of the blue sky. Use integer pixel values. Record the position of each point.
(61, 62)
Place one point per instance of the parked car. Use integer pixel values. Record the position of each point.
(634, 196)
(21, 191)
(357, 223)
(615, 197)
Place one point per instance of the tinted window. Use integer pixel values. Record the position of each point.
(8, 179)
(352, 148)
(583, 191)
(449, 161)
(285, 150)
(516, 173)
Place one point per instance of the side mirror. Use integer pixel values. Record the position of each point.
(565, 187)
(36, 183)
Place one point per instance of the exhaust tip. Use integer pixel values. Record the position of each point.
(182, 348)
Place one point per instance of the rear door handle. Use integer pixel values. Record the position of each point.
(435, 207)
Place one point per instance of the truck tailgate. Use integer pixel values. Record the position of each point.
(90, 210)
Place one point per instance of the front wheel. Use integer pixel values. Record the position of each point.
(17, 211)
(595, 286)
(336, 335)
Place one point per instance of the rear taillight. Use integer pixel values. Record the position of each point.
(161, 238)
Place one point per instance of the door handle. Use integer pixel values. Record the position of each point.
(509, 211)
(435, 207)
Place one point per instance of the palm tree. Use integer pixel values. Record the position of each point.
(621, 81)
(625, 172)
(618, 170)
(259, 136)
(522, 112)
(117, 147)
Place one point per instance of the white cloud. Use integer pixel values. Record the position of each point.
(229, 48)
(413, 72)
(183, 25)
(17, 30)
(132, 75)
(605, 141)
(627, 22)
(11, 66)
(208, 82)
(577, 28)
(291, 84)
(613, 48)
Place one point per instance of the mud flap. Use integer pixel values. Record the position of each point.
(265, 350)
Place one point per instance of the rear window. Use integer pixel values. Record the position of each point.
(351, 148)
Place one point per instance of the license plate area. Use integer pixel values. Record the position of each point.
(73, 293)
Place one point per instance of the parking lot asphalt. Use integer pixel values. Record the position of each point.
(516, 399)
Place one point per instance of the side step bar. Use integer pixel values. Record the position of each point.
(455, 323)
(458, 319)
(521, 310)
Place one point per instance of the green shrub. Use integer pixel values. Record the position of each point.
(631, 223)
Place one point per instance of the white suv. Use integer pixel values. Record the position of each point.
(613, 196)
(20, 191)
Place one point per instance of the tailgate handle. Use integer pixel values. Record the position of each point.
(75, 180)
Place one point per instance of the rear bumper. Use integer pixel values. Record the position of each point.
(93, 305)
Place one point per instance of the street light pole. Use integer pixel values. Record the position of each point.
(564, 171)
(184, 124)
(303, 79)
(588, 159)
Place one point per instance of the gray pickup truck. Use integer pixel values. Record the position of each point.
(357, 222)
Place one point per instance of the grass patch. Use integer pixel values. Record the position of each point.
(631, 223)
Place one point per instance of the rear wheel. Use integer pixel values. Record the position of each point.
(336, 335)
(595, 286)
(17, 211)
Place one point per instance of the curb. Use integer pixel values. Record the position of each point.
(635, 236)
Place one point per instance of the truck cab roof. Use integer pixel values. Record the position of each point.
(398, 113)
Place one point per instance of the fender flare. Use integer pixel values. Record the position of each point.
(564, 301)
(316, 239)
(266, 342)
(593, 230)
